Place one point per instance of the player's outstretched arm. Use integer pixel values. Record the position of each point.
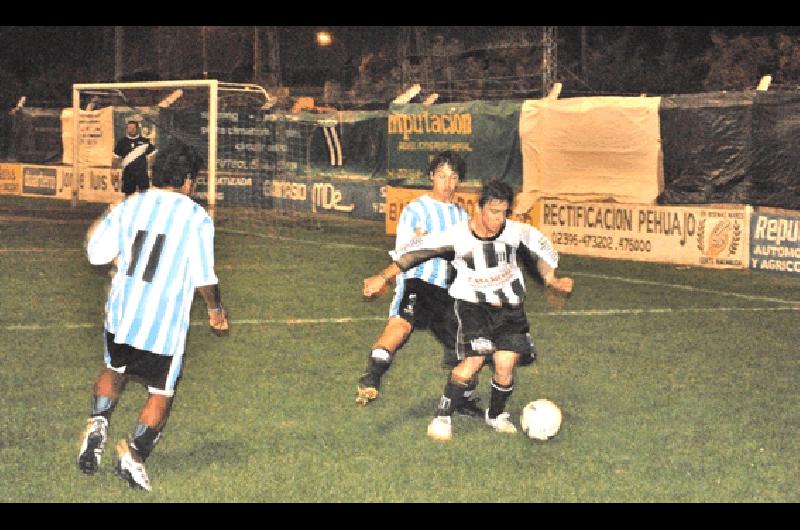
(374, 285)
(430, 246)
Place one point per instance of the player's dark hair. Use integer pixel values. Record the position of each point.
(453, 160)
(496, 190)
(174, 163)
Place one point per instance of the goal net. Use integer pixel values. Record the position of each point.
(249, 155)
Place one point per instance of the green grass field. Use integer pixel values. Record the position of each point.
(677, 384)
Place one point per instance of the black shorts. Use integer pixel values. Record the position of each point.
(130, 183)
(161, 373)
(483, 330)
(426, 306)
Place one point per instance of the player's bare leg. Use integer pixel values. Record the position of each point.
(131, 454)
(156, 411)
(110, 384)
(383, 351)
(107, 388)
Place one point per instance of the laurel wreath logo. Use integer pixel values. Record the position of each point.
(735, 240)
(737, 235)
(701, 230)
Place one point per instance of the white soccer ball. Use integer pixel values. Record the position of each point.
(541, 419)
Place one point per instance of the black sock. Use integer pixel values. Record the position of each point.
(144, 439)
(469, 389)
(379, 361)
(500, 395)
(451, 398)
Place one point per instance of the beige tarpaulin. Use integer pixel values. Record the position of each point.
(596, 149)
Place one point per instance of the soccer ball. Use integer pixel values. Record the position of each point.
(541, 419)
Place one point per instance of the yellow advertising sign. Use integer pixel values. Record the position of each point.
(97, 184)
(10, 179)
(715, 236)
(397, 198)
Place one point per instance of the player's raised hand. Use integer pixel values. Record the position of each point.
(374, 286)
(218, 320)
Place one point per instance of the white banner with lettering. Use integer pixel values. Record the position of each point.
(95, 133)
(714, 236)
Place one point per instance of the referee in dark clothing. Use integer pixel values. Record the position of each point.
(133, 149)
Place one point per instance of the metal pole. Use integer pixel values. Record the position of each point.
(584, 50)
(212, 147)
(119, 40)
(274, 56)
(549, 58)
(256, 56)
(76, 108)
(205, 54)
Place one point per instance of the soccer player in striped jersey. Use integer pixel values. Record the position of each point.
(421, 299)
(489, 292)
(164, 246)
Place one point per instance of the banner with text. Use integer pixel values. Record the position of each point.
(97, 184)
(95, 136)
(10, 179)
(39, 180)
(706, 236)
(485, 134)
(357, 198)
(775, 242)
(246, 139)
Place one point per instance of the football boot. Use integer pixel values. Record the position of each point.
(130, 467)
(94, 440)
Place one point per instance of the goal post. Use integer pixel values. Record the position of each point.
(142, 96)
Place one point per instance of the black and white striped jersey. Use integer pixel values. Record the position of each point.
(133, 152)
(486, 269)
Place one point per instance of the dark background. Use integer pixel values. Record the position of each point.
(42, 61)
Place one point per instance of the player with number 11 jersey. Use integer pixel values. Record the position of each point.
(164, 245)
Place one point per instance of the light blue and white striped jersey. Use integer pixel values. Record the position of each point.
(426, 215)
(164, 245)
